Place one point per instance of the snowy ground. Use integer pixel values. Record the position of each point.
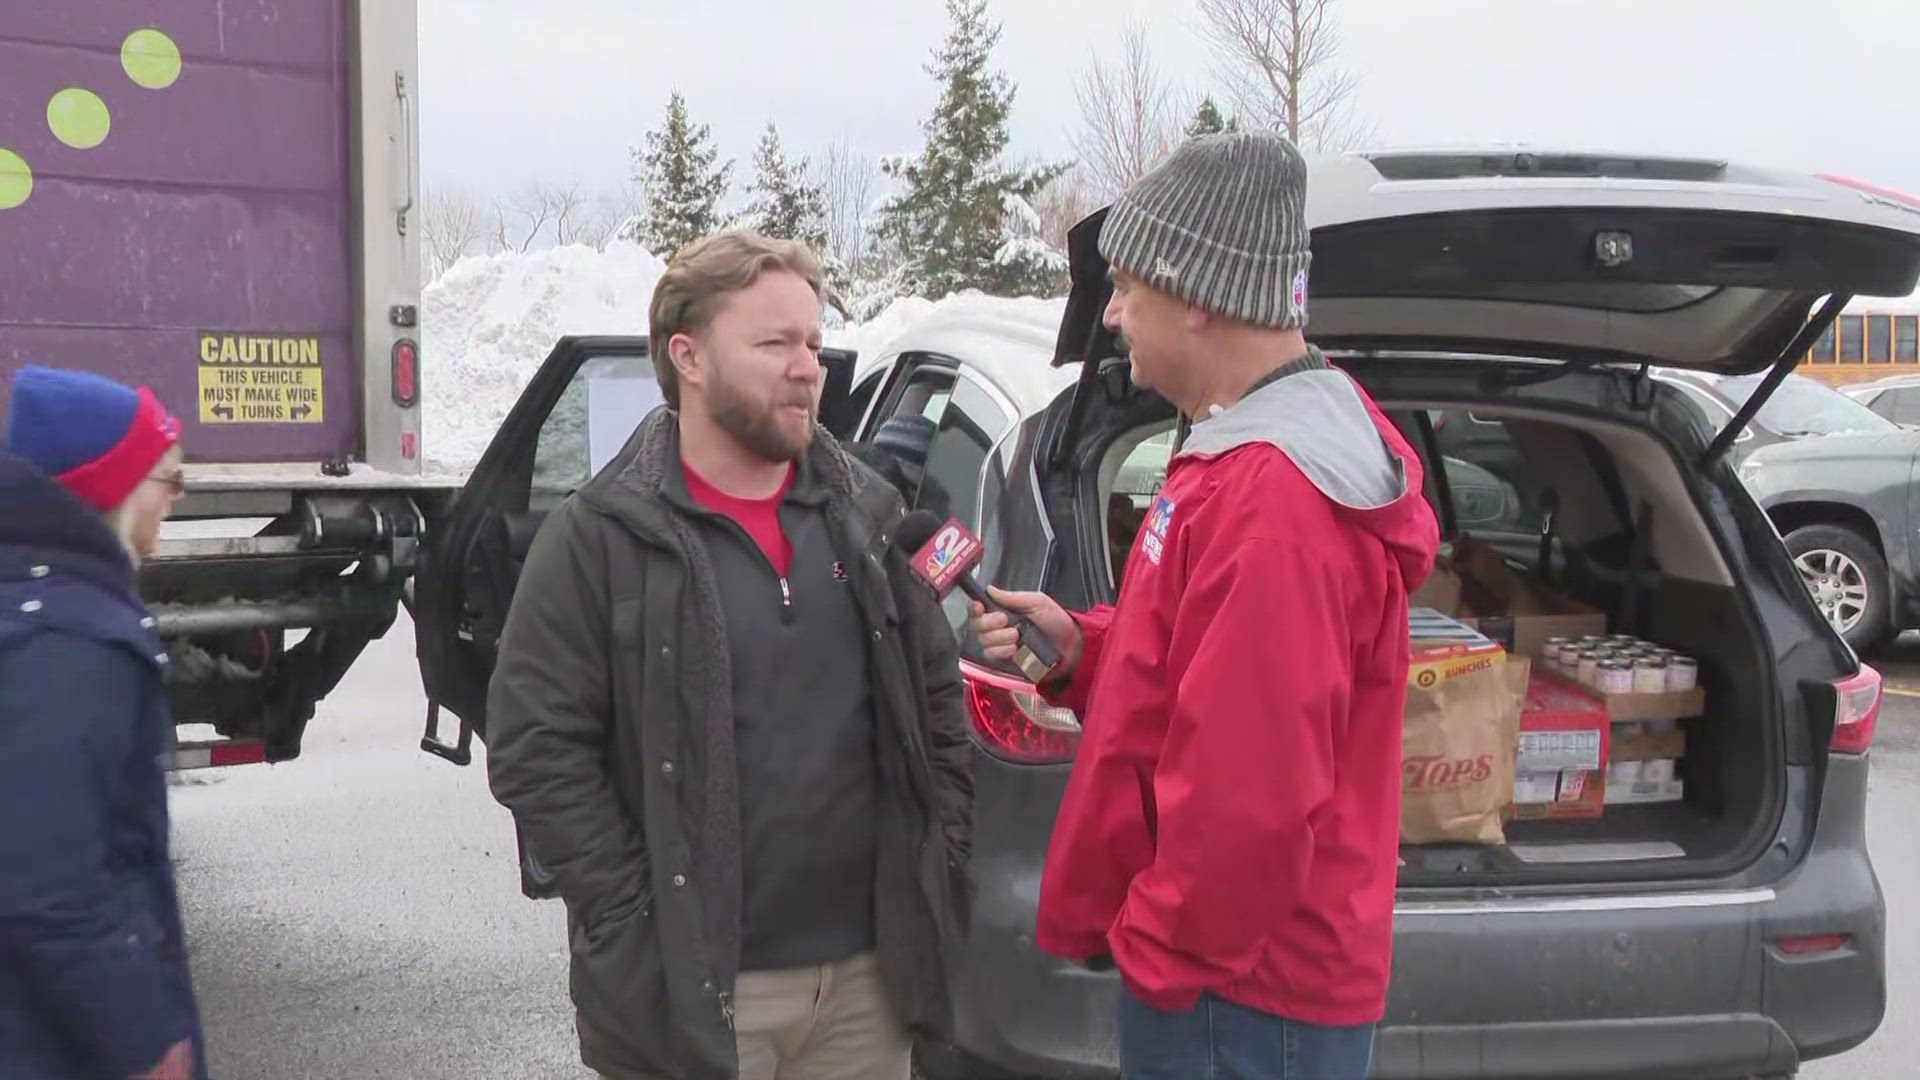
(489, 321)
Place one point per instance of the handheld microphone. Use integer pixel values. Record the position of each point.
(944, 555)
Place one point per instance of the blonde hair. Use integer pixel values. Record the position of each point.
(124, 519)
(706, 272)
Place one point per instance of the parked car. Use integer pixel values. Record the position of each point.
(1736, 933)
(1896, 397)
(1838, 481)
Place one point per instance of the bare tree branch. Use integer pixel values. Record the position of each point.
(1127, 121)
(452, 224)
(1279, 58)
(567, 206)
(599, 221)
(1064, 204)
(850, 180)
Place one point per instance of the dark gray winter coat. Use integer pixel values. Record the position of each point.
(611, 738)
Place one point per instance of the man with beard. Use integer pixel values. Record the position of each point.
(728, 718)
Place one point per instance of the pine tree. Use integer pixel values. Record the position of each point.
(681, 187)
(957, 224)
(1209, 121)
(786, 202)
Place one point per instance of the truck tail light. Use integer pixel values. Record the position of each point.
(406, 373)
(1013, 722)
(218, 754)
(1856, 711)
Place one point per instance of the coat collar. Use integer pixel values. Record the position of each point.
(42, 524)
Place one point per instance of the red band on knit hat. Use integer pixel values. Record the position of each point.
(106, 481)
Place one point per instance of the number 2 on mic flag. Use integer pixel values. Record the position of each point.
(952, 552)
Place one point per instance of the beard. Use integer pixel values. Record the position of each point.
(767, 431)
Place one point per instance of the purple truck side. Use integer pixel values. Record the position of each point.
(191, 215)
(214, 198)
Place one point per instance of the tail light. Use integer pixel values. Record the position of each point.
(1875, 190)
(1810, 944)
(406, 373)
(1856, 711)
(1012, 721)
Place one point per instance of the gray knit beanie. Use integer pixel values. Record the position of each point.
(1222, 225)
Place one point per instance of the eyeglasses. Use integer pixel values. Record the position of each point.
(175, 481)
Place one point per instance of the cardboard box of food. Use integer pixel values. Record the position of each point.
(1672, 705)
(1491, 596)
(1440, 648)
(1632, 741)
(1562, 763)
(1640, 792)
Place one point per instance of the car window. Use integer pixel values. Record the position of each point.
(1137, 481)
(1879, 339)
(596, 414)
(862, 395)
(1905, 407)
(1493, 487)
(1716, 410)
(970, 423)
(1853, 338)
(1802, 407)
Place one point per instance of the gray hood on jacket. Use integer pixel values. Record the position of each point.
(1318, 419)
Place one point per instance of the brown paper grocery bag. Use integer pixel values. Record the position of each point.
(1458, 745)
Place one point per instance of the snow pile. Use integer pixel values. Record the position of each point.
(871, 338)
(490, 321)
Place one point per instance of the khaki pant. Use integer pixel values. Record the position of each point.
(826, 1022)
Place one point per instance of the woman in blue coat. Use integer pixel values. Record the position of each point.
(93, 968)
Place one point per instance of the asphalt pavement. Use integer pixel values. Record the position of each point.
(356, 913)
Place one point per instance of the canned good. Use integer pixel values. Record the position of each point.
(1588, 671)
(1615, 677)
(1649, 675)
(1683, 672)
(1624, 639)
(1564, 658)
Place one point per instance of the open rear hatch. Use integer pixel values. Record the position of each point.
(1581, 258)
(1537, 265)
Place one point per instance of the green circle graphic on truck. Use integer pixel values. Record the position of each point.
(151, 59)
(16, 180)
(79, 118)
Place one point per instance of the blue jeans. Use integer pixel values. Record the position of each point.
(1218, 1040)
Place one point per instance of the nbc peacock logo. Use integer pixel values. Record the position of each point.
(81, 119)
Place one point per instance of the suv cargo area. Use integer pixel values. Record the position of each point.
(1618, 508)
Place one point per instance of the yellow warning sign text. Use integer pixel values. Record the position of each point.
(260, 379)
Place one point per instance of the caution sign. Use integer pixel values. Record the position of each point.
(260, 378)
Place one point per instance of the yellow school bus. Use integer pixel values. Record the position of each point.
(1874, 337)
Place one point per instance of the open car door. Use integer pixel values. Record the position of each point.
(574, 416)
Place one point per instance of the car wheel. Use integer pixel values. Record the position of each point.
(1847, 578)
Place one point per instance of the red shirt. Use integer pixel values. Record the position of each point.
(759, 517)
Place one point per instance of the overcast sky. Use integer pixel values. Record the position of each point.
(517, 90)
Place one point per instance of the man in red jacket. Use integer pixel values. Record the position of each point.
(1230, 833)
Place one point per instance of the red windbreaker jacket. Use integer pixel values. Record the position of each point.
(1232, 820)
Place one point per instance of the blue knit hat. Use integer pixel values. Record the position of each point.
(97, 437)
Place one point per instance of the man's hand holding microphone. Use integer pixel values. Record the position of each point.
(1027, 628)
(999, 628)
